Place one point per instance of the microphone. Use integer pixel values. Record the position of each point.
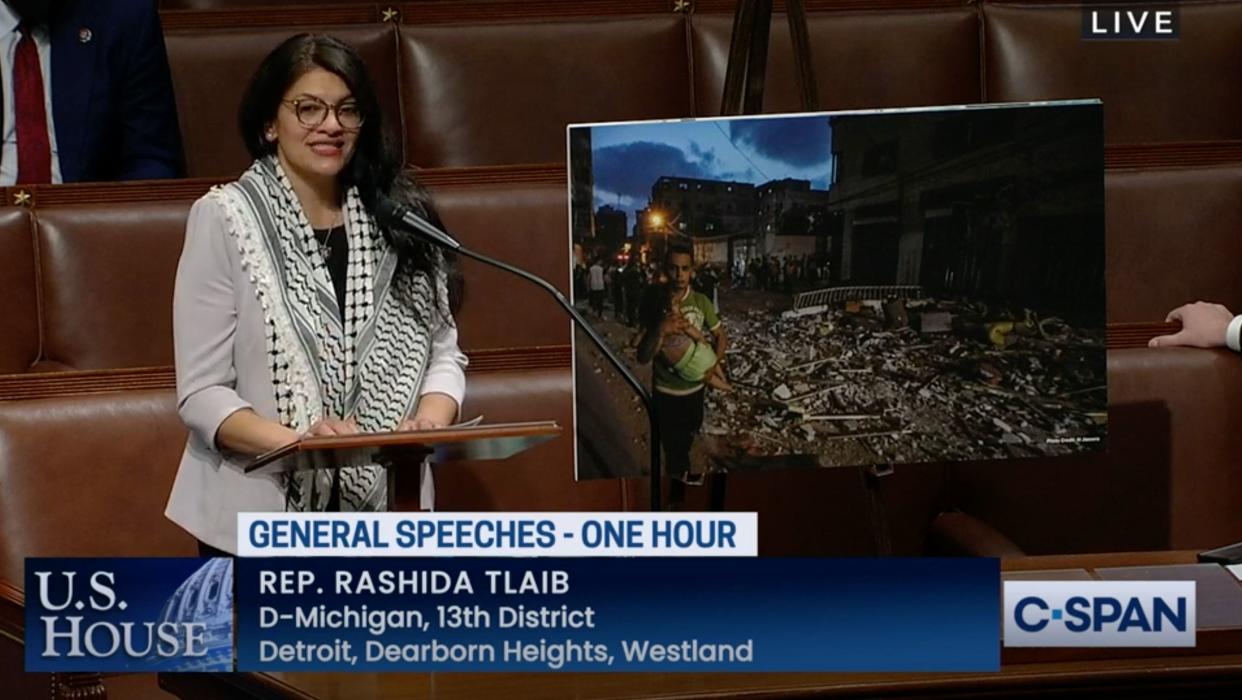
(395, 215)
(398, 217)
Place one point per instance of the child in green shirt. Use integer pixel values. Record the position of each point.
(689, 355)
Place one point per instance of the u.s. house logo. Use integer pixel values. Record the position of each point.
(1099, 613)
(129, 615)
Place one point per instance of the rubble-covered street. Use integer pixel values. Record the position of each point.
(874, 382)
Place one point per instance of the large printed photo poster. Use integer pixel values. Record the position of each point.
(841, 289)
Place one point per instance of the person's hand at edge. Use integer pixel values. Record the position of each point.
(1204, 325)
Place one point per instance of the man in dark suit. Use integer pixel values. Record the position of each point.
(87, 93)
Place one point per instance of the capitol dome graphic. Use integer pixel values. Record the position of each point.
(205, 597)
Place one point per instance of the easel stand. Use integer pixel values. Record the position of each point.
(748, 57)
(743, 94)
(872, 476)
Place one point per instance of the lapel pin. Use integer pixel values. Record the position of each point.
(84, 35)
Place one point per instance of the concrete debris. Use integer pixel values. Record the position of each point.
(895, 314)
(857, 416)
(933, 322)
(806, 311)
(915, 380)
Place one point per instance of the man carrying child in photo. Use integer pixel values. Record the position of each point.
(676, 320)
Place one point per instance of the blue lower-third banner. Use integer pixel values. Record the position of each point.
(618, 614)
(141, 615)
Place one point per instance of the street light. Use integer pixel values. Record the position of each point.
(656, 225)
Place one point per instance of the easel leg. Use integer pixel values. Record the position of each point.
(676, 495)
(795, 10)
(719, 484)
(881, 538)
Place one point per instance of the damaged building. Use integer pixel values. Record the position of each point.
(730, 221)
(997, 204)
(717, 215)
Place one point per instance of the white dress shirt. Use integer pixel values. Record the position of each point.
(9, 36)
(1232, 333)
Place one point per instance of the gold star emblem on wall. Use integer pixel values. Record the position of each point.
(681, 6)
(390, 14)
(22, 198)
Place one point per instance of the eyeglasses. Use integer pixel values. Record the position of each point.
(312, 112)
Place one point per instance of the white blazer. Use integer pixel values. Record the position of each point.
(221, 356)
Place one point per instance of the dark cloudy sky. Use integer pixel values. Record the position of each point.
(628, 158)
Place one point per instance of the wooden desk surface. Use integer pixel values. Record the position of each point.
(1098, 561)
(1217, 676)
(1200, 672)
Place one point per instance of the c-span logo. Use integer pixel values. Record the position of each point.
(1099, 613)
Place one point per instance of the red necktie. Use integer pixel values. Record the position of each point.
(34, 152)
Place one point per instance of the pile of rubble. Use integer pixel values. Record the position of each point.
(917, 380)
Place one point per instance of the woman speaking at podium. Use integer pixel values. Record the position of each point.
(295, 313)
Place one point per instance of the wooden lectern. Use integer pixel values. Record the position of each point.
(401, 454)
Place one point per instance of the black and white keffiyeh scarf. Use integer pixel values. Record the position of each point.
(370, 366)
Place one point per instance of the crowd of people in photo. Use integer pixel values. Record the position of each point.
(613, 287)
(785, 274)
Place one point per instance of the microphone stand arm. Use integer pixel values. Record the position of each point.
(443, 239)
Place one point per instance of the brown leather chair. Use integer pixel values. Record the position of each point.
(500, 93)
(481, 83)
(1165, 482)
(106, 275)
(211, 69)
(524, 224)
(106, 269)
(1173, 237)
(88, 475)
(1181, 90)
(19, 323)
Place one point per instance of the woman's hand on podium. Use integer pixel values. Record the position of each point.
(417, 423)
(332, 426)
(247, 433)
(435, 411)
